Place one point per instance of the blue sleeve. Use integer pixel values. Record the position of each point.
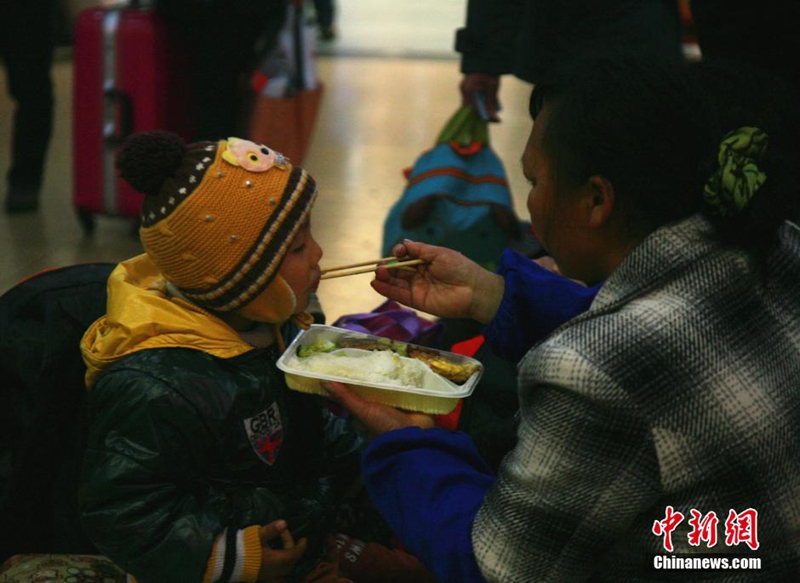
(536, 301)
(428, 485)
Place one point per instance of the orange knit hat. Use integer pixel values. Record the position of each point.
(218, 219)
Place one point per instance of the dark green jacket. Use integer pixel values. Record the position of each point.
(195, 441)
(184, 445)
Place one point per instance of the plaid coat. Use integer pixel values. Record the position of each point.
(679, 387)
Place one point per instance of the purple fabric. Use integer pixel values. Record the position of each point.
(391, 320)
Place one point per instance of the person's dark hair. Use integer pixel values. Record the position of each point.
(654, 129)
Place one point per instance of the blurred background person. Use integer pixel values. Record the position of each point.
(760, 35)
(532, 39)
(326, 12)
(27, 42)
(222, 38)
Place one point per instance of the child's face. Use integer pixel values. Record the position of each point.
(300, 267)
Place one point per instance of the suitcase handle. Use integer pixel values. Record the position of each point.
(115, 133)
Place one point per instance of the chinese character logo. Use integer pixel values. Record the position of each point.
(704, 528)
(665, 527)
(742, 528)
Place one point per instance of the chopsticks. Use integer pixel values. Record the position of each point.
(356, 268)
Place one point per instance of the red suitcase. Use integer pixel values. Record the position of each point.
(130, 74)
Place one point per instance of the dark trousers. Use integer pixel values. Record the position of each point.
(222, 36)
(756, 34)
(26, 47)
(324, 10)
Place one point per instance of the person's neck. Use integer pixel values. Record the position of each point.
(624, 233)
(258, 334)
(236, 321)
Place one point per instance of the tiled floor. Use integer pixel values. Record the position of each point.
(391, 82)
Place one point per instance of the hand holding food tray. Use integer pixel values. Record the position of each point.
(407, 376)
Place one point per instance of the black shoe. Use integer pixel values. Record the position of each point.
(327, 33)
(22, 200)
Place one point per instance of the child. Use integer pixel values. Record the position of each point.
(196, 447)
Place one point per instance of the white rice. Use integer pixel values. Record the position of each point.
(378, 367)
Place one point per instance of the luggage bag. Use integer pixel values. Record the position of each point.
(285, 121)
(457, 195)
(131, 73)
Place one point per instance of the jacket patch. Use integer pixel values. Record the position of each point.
(265, 432)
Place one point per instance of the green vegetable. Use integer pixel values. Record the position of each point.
(400, 348)
(307, 350)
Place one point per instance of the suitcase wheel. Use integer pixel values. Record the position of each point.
(87, 221)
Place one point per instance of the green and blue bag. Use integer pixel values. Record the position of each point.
(457, 195)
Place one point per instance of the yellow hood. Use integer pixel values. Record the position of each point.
(141, 315)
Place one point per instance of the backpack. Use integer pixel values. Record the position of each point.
(457, 196)
(42, 398)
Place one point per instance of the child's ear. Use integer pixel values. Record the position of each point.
(600, 199)
(274, 305)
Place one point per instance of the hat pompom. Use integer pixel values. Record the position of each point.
(148, 158)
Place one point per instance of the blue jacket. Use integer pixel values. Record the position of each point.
(536, 301)
(428, 485)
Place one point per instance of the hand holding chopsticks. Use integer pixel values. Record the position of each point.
(368, 266)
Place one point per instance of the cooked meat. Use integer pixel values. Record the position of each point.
(453, 371)
(363, 343)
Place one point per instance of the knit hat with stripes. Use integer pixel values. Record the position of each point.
(218, 218)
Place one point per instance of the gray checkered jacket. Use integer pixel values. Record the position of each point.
(679, 387)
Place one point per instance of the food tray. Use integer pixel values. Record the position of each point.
(437, 396)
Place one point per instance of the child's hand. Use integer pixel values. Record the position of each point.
(277, 564)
